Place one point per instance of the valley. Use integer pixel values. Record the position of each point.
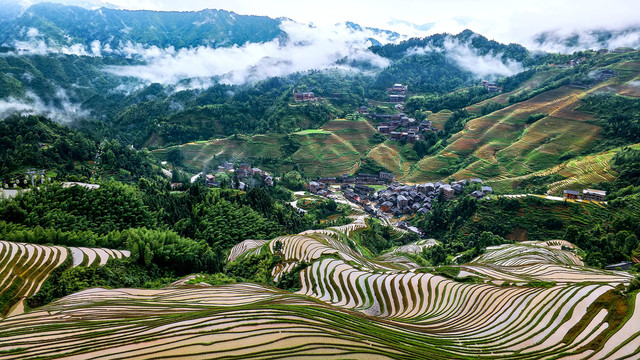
(284, 182)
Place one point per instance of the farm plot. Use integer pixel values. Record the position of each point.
(350, 307)
(95, 256)
(356, 132)
(503, 145)
(539, 261)
(324, 154)
(548, 139)
(23, 269)
(439, 119)
(580, 172)
(414, 248)
(387, 156)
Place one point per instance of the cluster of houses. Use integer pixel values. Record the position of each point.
(303, 96)
(396, 199)
(587, 194)
(407, 199)
(491, 86)
(397, 93)
(241, 171)
(401, 127)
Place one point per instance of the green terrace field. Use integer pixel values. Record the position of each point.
(501, 144)
(388, 155)
(538, 219)
(439, 119)
(503, 98)
(581, 172)
(25, 267)
(332, 150)
(531, 300)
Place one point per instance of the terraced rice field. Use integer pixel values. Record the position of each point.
(199, 153)
(334, 149)
(581, 172)
(90, 256)
(504, 97)
(388, 155)
(505, 146)
(439, 119)
(25, 267)
(539, 261)
(356, 132)
(350, 307)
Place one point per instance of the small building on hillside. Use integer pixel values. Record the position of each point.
(314, 187)
(475, 181)
(594, 195)
(363, 110)
(402, 201)
(487, 190)
(477, 194)
(363, 189)
(303, 96)
(448, 192)
(209, 180)
(327, 180)
(571, 194)
(257, 171)
(399, 89)
(395, 98)
(425, 125)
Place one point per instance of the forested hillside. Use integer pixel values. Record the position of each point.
(60, 25)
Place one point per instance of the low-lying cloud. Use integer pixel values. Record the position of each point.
(304, 48)
(63, 111)
(36, 44)
(568, 42)
(468, 58)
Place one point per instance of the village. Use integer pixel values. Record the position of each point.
(230, 175)
(398, 200)
(395, 199)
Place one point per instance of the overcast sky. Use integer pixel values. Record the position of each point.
(503, 20)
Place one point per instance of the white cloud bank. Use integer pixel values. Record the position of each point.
(31, 104)
(484, 66)
(305, 48)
